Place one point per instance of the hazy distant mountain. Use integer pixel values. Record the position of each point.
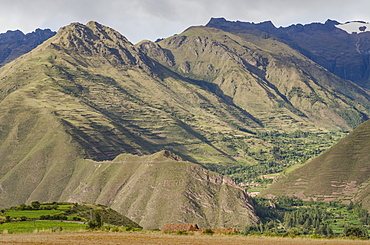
(15, 43)
(346, 54)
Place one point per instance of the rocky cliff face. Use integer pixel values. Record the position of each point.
(96, 40)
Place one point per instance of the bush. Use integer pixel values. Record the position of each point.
(127, 228)
(7, 219)
(354, 231)
(208, 231)
(57, 228)
(115, 229)
(35, 205)
(92, 225)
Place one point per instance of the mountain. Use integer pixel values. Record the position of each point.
(112, 98)
(332, 45)
(15, 43)
(151, 190)
(340, 173)
(88, 93)
(277, 85)
(89, 117)
(163, 188)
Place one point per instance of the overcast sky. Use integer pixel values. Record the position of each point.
(152, 19)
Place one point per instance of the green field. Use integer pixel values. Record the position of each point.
(31, 214)
(31, 226)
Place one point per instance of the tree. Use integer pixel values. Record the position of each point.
(7, 219)
(35, 205)
(23, 206)
(98, 219)
(355, 231)
(97, 222)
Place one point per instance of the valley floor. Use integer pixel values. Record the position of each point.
(157, 238)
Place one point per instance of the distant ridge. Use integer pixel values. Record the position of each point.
(321, 42)
(15, 43)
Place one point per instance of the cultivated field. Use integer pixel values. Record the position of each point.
(157, 238)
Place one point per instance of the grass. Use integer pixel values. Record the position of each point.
(31, 214)
(30, 226)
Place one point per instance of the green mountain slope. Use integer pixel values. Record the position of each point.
(276, 84)
(340, 173)
(112, 98)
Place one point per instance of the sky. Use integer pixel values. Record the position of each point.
(152, 19)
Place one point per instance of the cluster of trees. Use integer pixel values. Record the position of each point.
(276, 151)
(54, 217)
(36, 205)
(96, 222)
(309, 219)
(290, 216)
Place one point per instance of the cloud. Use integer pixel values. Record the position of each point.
(151, 19)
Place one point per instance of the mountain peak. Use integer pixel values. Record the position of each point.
(93, 31)
(97, 40)
(216, 21)
(221, 23)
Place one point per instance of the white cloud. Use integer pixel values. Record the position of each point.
(151, 19)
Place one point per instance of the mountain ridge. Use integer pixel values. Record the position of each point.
(218, 54)
(316, 41)
(15, 43)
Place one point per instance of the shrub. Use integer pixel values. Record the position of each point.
(92, 225)
(7, 219)
(35, 205)
(57, 228)
(115, 229)
(354, 231)
(181, 233)
(208, 231)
